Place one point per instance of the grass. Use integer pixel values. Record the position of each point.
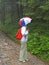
(38, 43)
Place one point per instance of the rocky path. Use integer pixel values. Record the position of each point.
(9, 53)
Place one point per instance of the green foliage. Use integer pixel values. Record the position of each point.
(39, 45)
(37, 9)
(38, 42)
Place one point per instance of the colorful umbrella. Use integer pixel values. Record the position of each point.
(24, 21)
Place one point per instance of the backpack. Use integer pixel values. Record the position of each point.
(18, 34)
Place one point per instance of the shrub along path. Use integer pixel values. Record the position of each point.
(9, 53)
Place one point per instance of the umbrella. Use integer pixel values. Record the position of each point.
(24, 21)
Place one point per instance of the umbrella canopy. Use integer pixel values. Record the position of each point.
(24, 21)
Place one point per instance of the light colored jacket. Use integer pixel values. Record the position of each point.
(24, 32)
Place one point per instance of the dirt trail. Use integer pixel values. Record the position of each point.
(9, 53)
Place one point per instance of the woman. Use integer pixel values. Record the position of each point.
(23, 50)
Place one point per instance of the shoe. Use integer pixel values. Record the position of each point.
(27, 59)
(23, 61)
